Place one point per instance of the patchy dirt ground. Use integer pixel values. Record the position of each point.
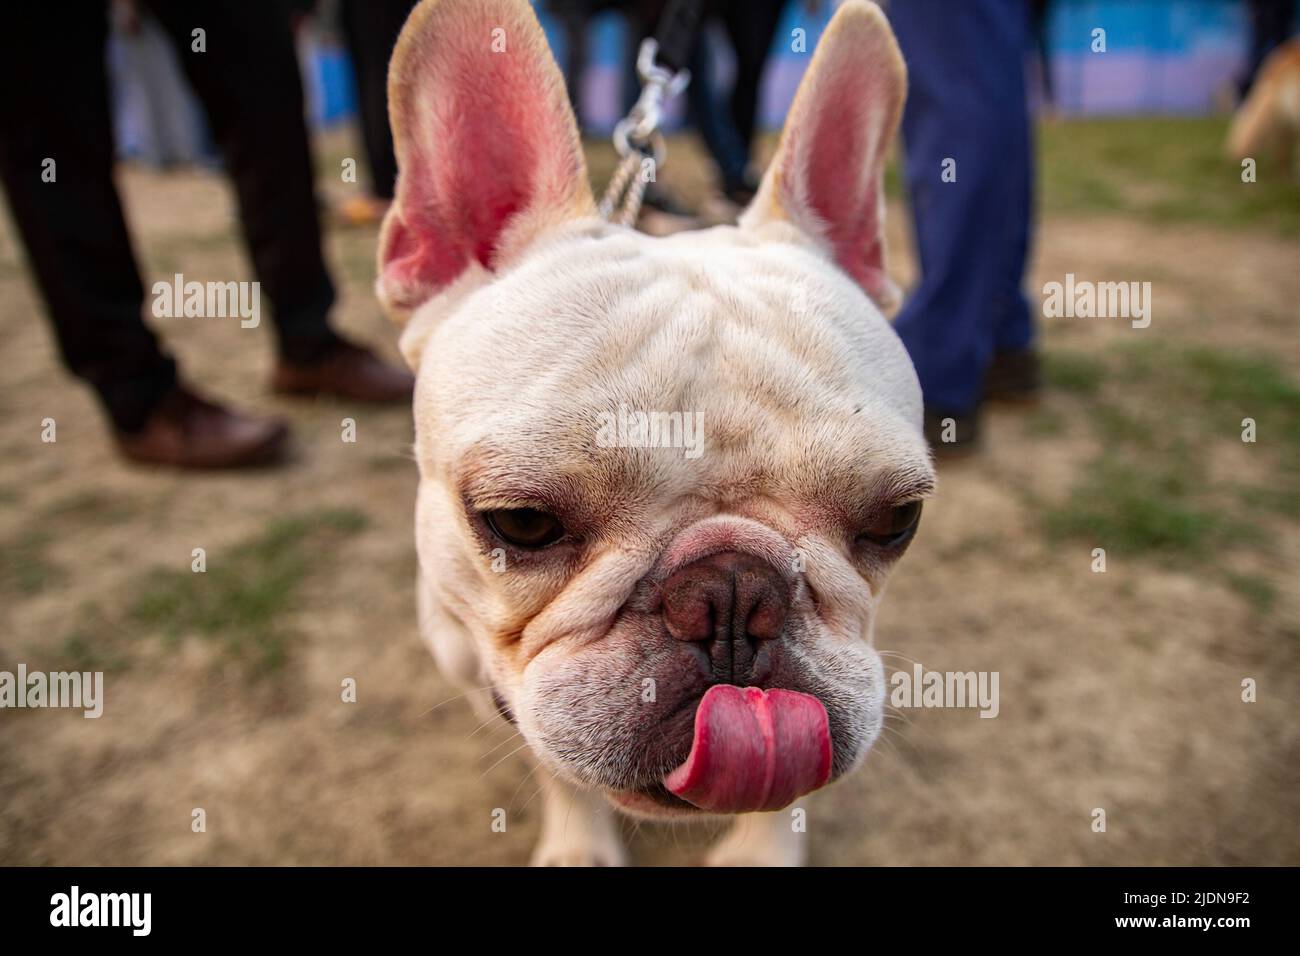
(1119, 690)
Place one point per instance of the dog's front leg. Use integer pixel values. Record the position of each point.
(761, 839)
(578, 827)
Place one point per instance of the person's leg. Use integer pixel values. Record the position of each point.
(247, 78)
(71, 223)
(248, 81)
(751, 24)
(55, 108)
(711, 118)
(1013, 373)
(371, 28)
(1014, 328)
(966, 103)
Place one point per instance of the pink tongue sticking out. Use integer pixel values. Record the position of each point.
(754, 750)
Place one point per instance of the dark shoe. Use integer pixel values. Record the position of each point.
(741, 191)
(185, 431)
(951, 435)
(1014, 377)
(347, 371)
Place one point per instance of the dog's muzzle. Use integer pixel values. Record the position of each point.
(753, 749)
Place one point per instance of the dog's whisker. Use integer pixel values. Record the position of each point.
(636, 828)
(472, 690)
(896, 741)
(899, 654)
(487, 723)
(568, 811)
(540, 788)
(499, 744)
(891, 670)
(514, 796)
(886, 733)
(893, 713)
(503, 760)
(887, 746)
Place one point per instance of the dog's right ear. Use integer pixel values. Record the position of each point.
(487, 148)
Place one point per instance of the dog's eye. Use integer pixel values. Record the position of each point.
(893, 526)
(524, 527)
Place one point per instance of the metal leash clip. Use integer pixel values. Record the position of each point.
(637, 137)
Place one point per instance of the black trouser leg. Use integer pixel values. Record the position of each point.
(54, 106)
(371, 28)
(247, 78)
(751, 25)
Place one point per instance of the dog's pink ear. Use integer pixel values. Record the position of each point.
(827, 176)
(486, 143)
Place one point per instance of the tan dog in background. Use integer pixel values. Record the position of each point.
(1268, 121)
(677, 620)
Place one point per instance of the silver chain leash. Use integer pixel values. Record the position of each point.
(637, 137)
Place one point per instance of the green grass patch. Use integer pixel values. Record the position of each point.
(1120, 425)
(1130, 510)
(1045, 423)
(87, 649)
(25, 570)
(1215, 391)
(1283, 501)
(1252, 382)
(1073, 372)
(1258, 592)
(1163, 170)
(1251, 387)
(241, 600)
(1147, 490)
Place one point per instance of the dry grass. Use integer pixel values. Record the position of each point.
(1118, 690)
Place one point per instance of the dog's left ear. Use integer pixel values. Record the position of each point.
(827, 176)
(486, 144)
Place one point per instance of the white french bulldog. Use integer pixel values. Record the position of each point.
(672, 630)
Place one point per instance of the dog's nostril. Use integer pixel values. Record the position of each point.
(731, 600)
(760, 605)
(689, 607)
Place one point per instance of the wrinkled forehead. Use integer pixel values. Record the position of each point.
(626, 355)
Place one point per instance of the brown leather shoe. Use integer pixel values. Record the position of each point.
(347, 371)
(185, 431)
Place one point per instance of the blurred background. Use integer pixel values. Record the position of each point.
(1165, 57)
(1119, 690)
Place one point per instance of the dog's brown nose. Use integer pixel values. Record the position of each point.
(733, 602)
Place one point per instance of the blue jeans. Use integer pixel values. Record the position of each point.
(966, 102)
